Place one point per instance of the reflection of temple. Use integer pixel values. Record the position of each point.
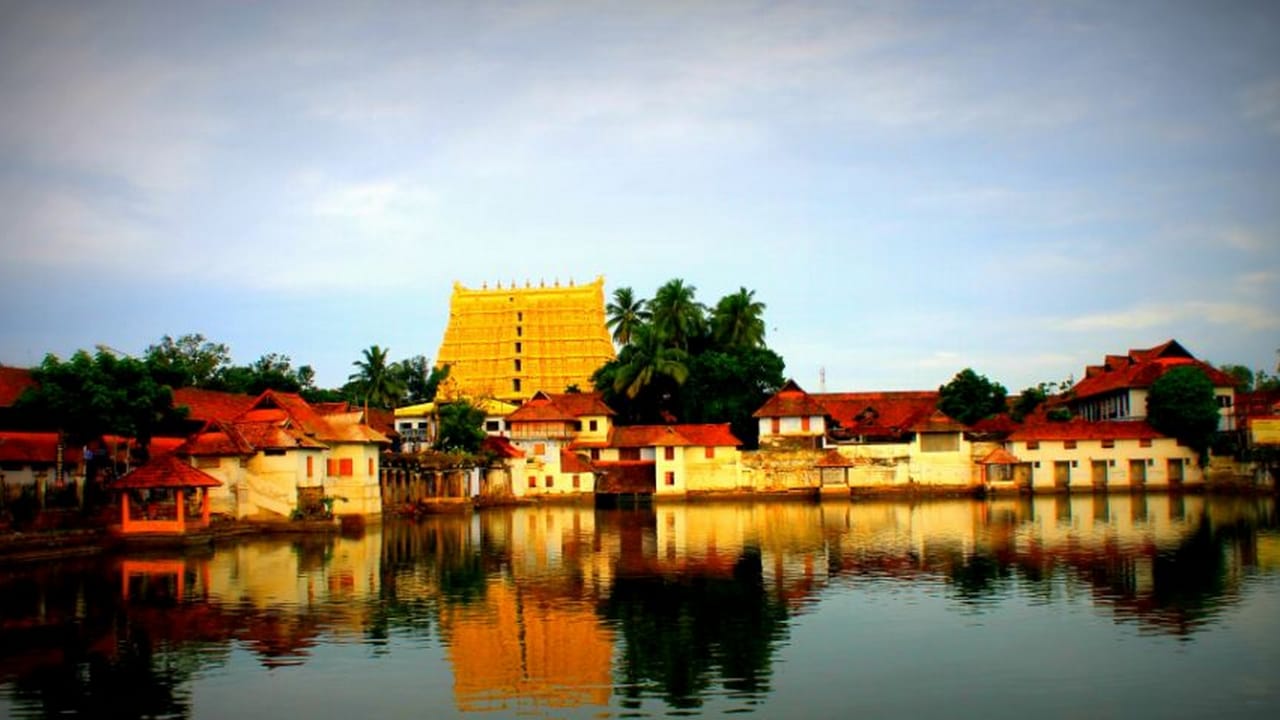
(519, 649)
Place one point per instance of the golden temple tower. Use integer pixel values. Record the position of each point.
(508, 343)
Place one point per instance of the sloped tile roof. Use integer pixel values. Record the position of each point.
(217, 439)
(791, 401)
(1141, 368)
(1086, 430)
(32, 447)
(880, 414)
(571, 462)
(13, 382)
(205, 405)
(999, 456)
(580, 404)
(701, 435)
(165, 471)
(501, 446)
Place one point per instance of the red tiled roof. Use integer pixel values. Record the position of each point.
(791, 401)
(273, 406)
(501, 446)
(32, 447)
(703, 435)
(208, 405)
(571, 462)
(999, 456)
(1258, 403)
(544, 406)
(1141, 368)
(13, 382)
(880, 414)
(1086, 430)
(580, 404)
(165, 471)
(217, 438)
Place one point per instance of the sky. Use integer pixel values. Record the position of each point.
(911, 188)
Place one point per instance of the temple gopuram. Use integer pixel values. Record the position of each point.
(508, 343)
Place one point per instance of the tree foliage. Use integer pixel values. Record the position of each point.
(272, 371)
(682, 365)
(91, 395)
(1181, 404)
(461, 427)
(625, 313)
(420, 380)
(970, 397)
(189, 361)
(376, 381)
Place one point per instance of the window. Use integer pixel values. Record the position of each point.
(594, 425)
(492, 425)
(539, 449)
(671, 478)
(668, 453)
(406, 426)
(1033, 444)
(1224, 401)
(1108, 442)
(1068, 444)
(518, 347)
(519, 331)
(709, 452)
(775, 425)
(515, 385)
(310, 462)
(331, 467)
(939, 442)
(551, 481)
(212, 462)
(422, 426)
(576, 482)
(1144, 442)
(273, 452)
(346, 467)
(519, 317)
(804, 423)
(533, 483)
(370, 466)
(595, 453)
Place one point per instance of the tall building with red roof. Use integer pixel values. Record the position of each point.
(1117, 389)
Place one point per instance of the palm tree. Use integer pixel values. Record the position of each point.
(626, 312)
(737, 320)
(676, 315)
(646, 359)
(376, 379)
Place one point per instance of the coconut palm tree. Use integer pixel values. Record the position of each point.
(376, 379)
(677, 316)
(645, 360)
(625, 313)
(738, 321)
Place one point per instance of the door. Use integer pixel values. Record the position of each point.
(1062, 474)
(1137, 473)
(1099, 474)
(1175, 472)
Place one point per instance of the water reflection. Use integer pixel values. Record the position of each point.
(556, 609)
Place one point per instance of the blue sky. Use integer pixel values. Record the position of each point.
(911, 188)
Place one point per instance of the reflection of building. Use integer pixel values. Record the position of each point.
(508, 343)
(518, 649)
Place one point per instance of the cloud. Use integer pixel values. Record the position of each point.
(1260, 104)
(1250, 317)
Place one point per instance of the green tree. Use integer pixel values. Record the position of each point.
(677, 315)
(645, 360)
(377, 383)
(625, 314)
(419, 379)
(461, 427)
(89, 396)
(1181, 404)
(189, 361)
(729, 385)
(1028, 400)
(970, 397)
(272, 371)
(738, 320)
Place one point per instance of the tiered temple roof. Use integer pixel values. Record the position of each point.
(509, 342)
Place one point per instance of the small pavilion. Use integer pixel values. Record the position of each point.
(167, 480)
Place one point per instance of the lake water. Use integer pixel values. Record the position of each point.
(1081, 607)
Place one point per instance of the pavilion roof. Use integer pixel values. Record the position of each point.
(165, 471)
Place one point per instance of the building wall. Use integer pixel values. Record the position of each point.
(357, 494)
(1116, 461)
(230, 471)
(790, 427)
(530, 475)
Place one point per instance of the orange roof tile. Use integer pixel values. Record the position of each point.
(545, 406)
(1086, 430)
(13, 382)
(501, 446)
(211, 404)
(999, 456)
(571, 462)
(702, 435)
(791, 401)
(32, 447)
(1141, 368)
(165, 471)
